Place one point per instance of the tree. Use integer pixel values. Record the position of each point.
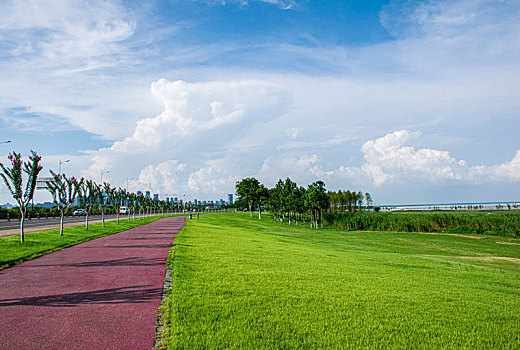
(141, 201)
(316, 200)
(288, 197)
(247, 190)
(262, 194)
(299, 202)
(103, 191)
(14, 181)
(122, 195)
(87, 197)
(359, 199)
(63, 191)
(346, 200)
(368, 199)
(116, 196)
(334, 200)
(275, 199)
(132, 201)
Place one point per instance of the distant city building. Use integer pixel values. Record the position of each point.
(196, 201)
(230, 198)
(156, 196)
(167, 200)
(139, 193)
(147, 195)
(175, 200)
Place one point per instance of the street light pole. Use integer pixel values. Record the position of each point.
(128, 186)
(103, 171)
(61, 162)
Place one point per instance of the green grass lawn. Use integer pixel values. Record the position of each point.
(36, 244)
(244, 283)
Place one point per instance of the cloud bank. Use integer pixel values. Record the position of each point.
(436, 106)
(212, 134)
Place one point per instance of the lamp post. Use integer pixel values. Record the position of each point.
(61, 162)
(127, 185)
(103, 171)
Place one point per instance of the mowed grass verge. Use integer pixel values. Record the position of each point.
(250, 284)
(36, 244)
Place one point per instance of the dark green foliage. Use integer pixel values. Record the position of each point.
(499, 223)
(347, 200)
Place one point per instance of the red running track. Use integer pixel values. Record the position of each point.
(101, 294)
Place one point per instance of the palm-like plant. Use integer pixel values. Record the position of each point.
(100, 192)
(87, 196)
(111, 193)
(63, 190)
(14, 181)
(132, 201)
(121, 197)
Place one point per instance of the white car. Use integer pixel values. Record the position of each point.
(79, 212)
(124, 210)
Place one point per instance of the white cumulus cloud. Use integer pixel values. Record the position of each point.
(200, 123)
(390, 159)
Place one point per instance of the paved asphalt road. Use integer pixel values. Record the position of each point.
(15, 223)
(9, 228)
(101, 294)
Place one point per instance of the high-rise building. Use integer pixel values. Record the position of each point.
(147, 195)
(139, 193)
(156, 196)
(175, 199)
(196, 201)
(230, 198)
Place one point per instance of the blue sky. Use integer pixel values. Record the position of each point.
(412, 101)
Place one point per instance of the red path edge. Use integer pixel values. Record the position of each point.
(101, 294)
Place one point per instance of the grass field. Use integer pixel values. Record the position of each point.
(36, 244)
(244, 283)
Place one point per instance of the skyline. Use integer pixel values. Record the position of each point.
(412, 101)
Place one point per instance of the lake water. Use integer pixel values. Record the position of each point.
(453, 206)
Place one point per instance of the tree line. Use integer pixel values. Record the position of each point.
(292, 203)
(65, 190)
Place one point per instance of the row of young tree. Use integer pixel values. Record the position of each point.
(65, 190)
(292, 203)
(349, 201)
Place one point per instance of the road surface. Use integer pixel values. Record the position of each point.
(12, 227)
